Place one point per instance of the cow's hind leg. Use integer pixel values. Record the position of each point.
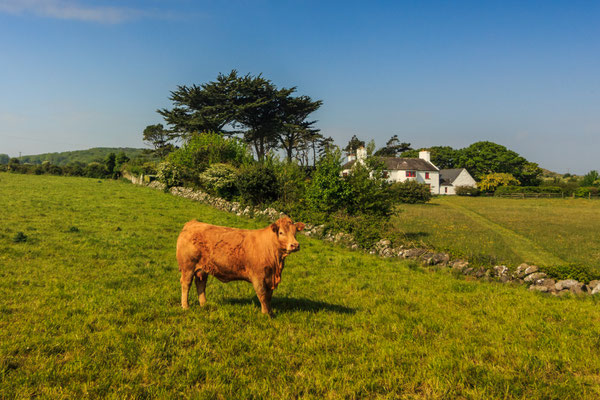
(264, 296)
(186, 281)
(201, 278)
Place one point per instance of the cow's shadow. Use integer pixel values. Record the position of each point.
(290, 304)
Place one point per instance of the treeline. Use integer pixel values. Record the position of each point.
(110, 167)
(96, 154)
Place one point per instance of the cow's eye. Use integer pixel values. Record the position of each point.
(281, 233)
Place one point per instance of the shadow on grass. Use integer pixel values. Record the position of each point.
(289, 304)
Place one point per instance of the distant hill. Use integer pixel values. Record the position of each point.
(97, 154)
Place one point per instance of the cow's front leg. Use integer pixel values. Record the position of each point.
(186, 281)
(264, 296)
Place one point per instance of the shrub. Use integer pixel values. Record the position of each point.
(586, 191)
(368, 191)
(577, 272)
(168, 174)
(293, 181)
(96, 170)
(490, 182)
(203, 149)
(257, 183)
(467, 191)
(328, 191)
(503, 190)
(220, 180)
(366, 229)
(411, 192)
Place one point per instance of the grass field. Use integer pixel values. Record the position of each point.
(89, 307)
(495, 230)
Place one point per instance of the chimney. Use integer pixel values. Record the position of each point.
(425, 155)
(361, 153)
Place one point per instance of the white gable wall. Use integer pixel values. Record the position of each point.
(463, 179)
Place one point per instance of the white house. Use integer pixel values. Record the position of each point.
(450, 179)
(403, 169)
(419, 169)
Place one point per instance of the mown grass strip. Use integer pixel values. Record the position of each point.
(528, 250)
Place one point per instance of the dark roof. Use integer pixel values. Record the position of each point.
(447, 176)
(404, 164)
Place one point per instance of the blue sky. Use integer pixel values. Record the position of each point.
(76, 74)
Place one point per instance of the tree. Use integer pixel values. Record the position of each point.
(592, 178)
(158, 137)
(442, 157)
(4, 158)
(354, 144)
(393, 147)
(296, 132)
(490, 182)
(110, 162)
(328, 191)
(325, 145)
(267, 117)
(205, 108)
(121, 159)
(484, 158)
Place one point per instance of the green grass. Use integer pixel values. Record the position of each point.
(85, 156)
(495, 230)
(89, 307)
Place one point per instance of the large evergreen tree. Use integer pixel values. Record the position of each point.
(265, 116)
(393, 147)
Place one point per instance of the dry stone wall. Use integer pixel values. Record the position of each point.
(522, 274)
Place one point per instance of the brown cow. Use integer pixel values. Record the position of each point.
(231, 254)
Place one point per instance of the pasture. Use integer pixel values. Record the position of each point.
(89, 307)
(498, 230)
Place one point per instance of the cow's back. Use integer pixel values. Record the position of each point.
(217, 250)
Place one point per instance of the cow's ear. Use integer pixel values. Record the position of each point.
(274, 227)
(299, 226)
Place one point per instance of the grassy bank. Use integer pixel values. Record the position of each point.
(89, 306)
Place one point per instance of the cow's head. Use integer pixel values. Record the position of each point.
(286, 230)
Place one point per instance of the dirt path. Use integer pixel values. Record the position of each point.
(525, 248)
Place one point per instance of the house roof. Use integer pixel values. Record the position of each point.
(403, 164)
(448, 176)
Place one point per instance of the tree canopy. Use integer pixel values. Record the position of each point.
(354, 144)
(482, 158)
(393, 147)
(252, 106)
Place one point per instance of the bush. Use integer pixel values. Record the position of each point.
(411, 192)
(203, 149)
(368, 191)
(293, 181)
(328, 191)
(577, 272)
(366, 229)
(220, 180)
(490, 182)
(257, 183)
(502, 190)
(168, 174)
(586, 191)
(96, 170)
(467, 191)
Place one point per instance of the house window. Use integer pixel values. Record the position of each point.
(426, 175)
(345, 174)
(411, 174)
(386, 174)
(446, 189)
